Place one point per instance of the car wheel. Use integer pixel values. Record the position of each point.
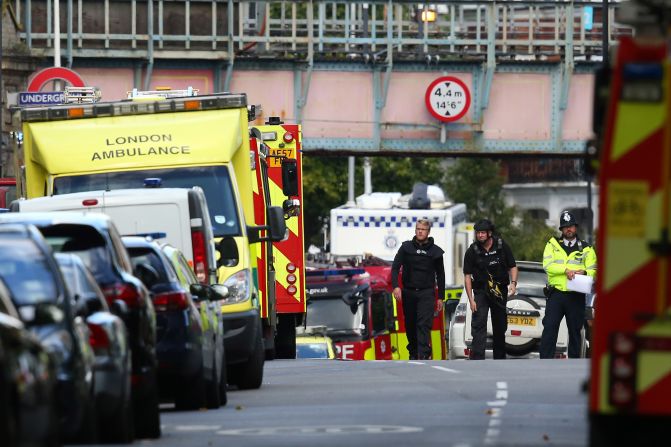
(212, 395)
(191, 396)
(146, 408)
(223, 380)
(249, 375)
(285, 340)
(119, 427)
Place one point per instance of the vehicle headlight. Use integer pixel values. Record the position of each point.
(238, 287)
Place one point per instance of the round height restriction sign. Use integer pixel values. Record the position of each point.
(447, 98)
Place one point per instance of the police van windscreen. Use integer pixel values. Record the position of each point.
(214, 180)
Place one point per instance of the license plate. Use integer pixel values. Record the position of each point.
(522, 321)
(276, 162)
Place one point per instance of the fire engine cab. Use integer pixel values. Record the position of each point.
(630, 384)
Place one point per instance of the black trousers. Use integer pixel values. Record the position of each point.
(559, 305)
(418, 309)
(485, 304)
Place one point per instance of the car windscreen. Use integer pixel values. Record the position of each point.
(26, 272)
(214, 180)
(85, 242)
(336, 316)
(312, 351)
(144, 255)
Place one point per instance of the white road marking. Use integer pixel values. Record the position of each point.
(492, 434)
(502, 394)
(412, 362)
(442, 368)
(497, 403)
(197, 427)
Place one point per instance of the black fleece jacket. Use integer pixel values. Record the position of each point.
(422, 264)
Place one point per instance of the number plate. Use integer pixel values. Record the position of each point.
(280, 152)
(521, 321)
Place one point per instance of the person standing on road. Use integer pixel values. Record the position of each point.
(563, 258)
(490, 275)
(422, 270)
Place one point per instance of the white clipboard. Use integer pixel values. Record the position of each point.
(581, 283)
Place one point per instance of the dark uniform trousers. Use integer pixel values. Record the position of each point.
(418, 308)
(560, 304)
(479, 325)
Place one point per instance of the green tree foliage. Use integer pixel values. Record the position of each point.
(478, 183)
(325, 184)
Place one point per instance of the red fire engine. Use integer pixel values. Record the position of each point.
(630, 384)
(282, 280)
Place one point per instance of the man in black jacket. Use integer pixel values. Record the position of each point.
(490, 274)
(423, 270)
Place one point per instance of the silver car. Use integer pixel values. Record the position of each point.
(109, 340)
(526, 310)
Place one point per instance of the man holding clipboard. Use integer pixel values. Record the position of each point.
(565, 259)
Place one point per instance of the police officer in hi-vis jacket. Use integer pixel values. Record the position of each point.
(564, 258)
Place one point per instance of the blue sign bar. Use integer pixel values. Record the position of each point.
(588, 17)
(40, 98)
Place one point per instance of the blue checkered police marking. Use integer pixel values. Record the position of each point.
(384, 221)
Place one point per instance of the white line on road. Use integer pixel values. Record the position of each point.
(415, 363)
(494, 422)
(502, 385)
(497, 403)
(502, 394)
(442, 368)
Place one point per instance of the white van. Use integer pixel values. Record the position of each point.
(178, 216)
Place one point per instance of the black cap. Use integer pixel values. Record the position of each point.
(484, 225)
(566, 220)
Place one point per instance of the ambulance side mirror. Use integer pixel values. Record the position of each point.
(289, 177)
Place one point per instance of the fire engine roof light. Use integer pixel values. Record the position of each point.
(153, 182)
(288, 137)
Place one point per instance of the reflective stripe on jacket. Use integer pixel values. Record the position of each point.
(556, 261)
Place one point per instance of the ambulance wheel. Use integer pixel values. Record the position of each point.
(285, 340)
(249, 375)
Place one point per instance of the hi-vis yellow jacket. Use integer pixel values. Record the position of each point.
(556, 261)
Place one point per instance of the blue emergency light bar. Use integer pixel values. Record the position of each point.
(153, 182)
(336, 272)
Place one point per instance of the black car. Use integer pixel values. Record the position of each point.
(27, 382)
(189, 334)
(109, 340)
(45, 306)
(95, 239)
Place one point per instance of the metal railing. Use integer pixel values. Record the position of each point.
(326, 30)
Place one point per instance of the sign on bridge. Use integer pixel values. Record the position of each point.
(447, 99)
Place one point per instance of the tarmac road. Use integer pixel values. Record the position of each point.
(396, 403)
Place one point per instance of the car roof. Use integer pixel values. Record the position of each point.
(98, 220)
(140, 241)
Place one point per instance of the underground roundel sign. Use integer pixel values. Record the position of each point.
(447, 98)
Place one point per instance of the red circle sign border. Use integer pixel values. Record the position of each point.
(47, 74)
(427, 100)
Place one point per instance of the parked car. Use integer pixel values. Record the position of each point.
(45, 306)
(95, 239)
(187, 346)
(27, 382)
(313, 343)
(210, 307)
(526, 310)
(109, 340)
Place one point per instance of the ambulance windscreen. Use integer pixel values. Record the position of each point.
(214, 180)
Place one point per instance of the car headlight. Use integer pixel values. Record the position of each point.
(238, 286)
